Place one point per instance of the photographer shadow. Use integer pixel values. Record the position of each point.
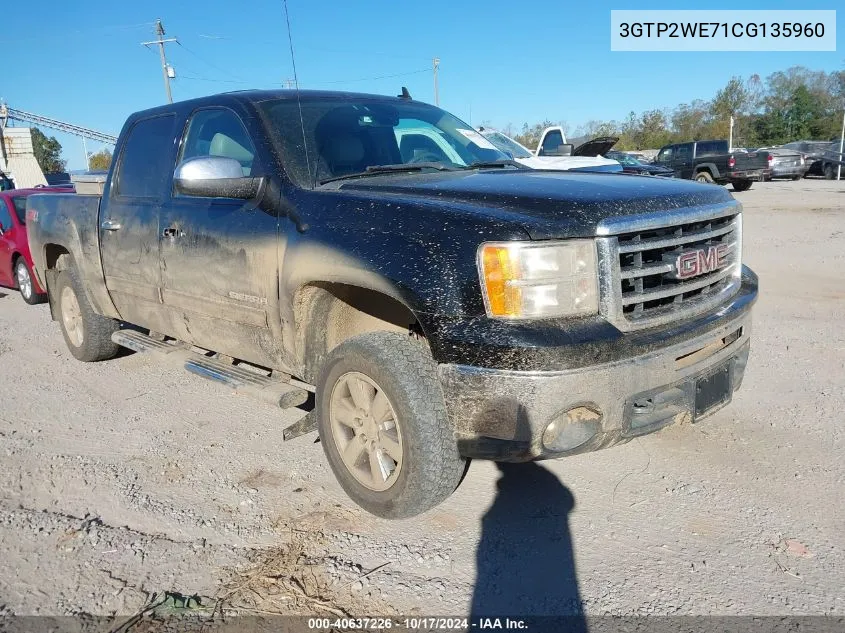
(525, 559)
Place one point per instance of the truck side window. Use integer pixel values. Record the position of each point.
(145, 159)
(665, 155)
(552, 141)
(219, 132)
(684, 152)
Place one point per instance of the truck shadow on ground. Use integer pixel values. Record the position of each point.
(525, 560)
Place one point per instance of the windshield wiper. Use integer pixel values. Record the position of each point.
(505, 162)
(374, 170)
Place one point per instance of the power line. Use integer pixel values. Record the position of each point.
(208, 63)
(348, 81)
(103, 31)
(218, 81)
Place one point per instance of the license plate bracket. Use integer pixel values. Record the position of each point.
(712, 390)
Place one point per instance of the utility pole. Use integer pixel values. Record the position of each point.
(435, 63)
(841, 146)
(87, 158)
(731, 136)
(165, 69)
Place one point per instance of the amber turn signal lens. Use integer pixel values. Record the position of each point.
(500, 267)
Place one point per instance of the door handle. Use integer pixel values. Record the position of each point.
(110, 225)
(172, 232)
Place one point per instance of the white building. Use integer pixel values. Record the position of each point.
(17, 159)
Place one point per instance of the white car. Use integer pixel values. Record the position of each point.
(554, 153)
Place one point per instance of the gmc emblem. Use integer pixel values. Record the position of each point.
(698, 262)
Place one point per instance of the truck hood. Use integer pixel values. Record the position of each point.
(564, 163)
(596, 147)
(545, 204)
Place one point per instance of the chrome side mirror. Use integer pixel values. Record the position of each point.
(214, 177)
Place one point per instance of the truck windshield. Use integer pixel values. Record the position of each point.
(507, 144)
(349, 137)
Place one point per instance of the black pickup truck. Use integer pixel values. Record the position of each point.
(439, 301)
(712, 162)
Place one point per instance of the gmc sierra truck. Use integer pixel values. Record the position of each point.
(438, 309)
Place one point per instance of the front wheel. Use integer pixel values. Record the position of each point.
(742, 185)
(383, 425)
(23, 279)
(705, 177)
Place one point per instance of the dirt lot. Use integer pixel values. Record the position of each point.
(125, 479)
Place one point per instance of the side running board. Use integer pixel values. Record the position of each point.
(242, 380)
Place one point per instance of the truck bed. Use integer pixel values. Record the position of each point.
(71, 220)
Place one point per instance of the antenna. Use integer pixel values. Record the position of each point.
(405, 94)
(298, 100)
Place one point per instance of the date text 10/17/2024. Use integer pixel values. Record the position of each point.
(417, 623)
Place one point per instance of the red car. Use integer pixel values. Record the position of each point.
(15, 260)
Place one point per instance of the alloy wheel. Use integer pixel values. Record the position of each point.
(365, 431)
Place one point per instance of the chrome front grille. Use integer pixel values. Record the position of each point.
(638, 261)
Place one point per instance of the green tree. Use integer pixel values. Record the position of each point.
(48, 152)
(100, 161)
(690, 121)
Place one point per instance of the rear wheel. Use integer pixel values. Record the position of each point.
(797, 177)
(87, 334)
(383, 425)
(742, 185)
(23, 280)
(704, 176)
(829, 172)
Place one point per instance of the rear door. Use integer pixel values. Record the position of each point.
(683, 162)
(219, 256)
(129, 220)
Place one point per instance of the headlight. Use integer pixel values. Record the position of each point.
(538, 280)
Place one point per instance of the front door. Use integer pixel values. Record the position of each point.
(129, 221)
(219, 258)
(6, 229)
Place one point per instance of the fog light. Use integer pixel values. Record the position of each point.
(572, 429)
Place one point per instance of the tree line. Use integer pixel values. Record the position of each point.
(788, 105)
(48, 154)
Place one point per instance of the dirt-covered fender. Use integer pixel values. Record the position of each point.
(69, 223)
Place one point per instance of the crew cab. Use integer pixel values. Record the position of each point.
(15, 260)
(713, 162)
(437, 310)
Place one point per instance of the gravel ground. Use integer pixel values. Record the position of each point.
(127, 479)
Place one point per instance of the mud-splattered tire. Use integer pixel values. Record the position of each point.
(829, 172)
(399, 413)
(742, 185)
(25, 283)
(704, 177)
(87, 334)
